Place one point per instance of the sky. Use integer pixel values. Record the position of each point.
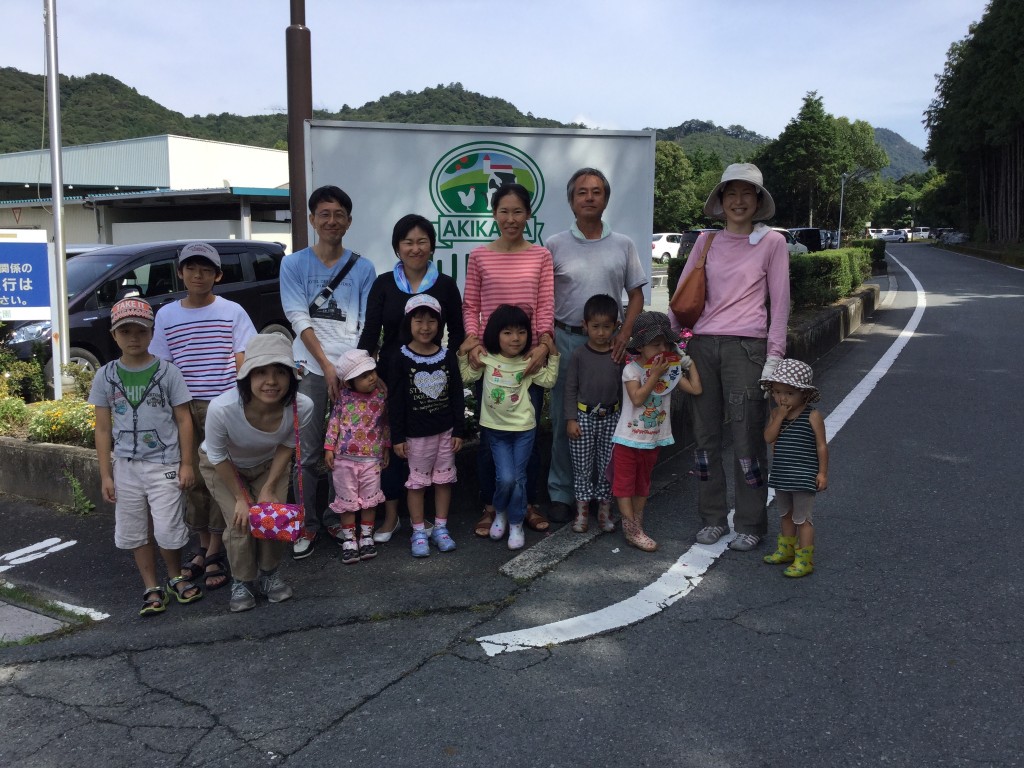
(614, 65)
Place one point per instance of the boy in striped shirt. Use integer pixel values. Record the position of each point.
(204, 335)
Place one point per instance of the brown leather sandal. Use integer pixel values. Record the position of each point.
(535, 518)
(483, 525)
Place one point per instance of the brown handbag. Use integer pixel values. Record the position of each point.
(687, 303)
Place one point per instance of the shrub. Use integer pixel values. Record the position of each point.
(82, 378)
(21, 378)
(70, 422)
(13, 415)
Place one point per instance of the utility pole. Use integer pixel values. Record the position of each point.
(300, 109)
(58, 265)
(842, 194)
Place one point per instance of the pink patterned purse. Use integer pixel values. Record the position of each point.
(272, 520)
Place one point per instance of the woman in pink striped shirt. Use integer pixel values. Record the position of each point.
(511, 270)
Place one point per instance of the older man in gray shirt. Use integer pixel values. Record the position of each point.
(589, 259)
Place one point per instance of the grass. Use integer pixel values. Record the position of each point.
(24, 599)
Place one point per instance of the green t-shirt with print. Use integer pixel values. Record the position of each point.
(135, 383)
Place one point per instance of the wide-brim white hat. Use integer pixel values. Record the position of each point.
(266, 349)
(749, 173)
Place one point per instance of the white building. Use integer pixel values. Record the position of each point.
(152, 188)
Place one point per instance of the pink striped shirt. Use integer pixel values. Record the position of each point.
(525, 278)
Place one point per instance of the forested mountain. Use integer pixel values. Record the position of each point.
(101, 108)
(730, 144)
(904, 157)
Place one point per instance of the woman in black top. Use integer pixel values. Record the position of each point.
(413, 240)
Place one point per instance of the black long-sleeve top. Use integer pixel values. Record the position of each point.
(425, 395)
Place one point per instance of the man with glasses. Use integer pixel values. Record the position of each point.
(323, 291)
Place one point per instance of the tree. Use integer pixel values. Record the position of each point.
(976, 124)
(802, 168)
(675, 197)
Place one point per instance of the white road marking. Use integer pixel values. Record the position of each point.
(687, 571)
(81, 611)
(33, 552)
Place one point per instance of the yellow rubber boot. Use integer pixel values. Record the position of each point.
(784, 551)
(803, 563)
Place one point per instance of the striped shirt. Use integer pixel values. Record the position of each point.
(202, 342)
(795, 456)
(524, 278)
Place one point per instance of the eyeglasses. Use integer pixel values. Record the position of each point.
(326, 216)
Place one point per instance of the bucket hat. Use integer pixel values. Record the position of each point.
(353, 363)
(650, 325)
(266, 349)
(749, 173)
(796, 374)
(131, 310)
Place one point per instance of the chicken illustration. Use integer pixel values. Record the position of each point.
(467, 198)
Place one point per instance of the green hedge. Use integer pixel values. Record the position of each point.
(815, 279)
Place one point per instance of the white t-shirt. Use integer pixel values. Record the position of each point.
(648, 425)
(202, 342)
(229, 435)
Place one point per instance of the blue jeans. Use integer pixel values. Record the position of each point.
(485, 463)
(511, 452)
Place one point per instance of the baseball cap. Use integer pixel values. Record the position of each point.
(131, 310)
(199, 250)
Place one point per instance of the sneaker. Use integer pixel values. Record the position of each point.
(367, 550)
(420, 544)
(516, 538)
(303, 547)
(744, 542)
(242, 599)
(441, 539)
(273, 586)
(499, 526)
(710, 534)
(349, 552)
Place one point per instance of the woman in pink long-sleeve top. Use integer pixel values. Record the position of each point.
(511, 270)
(738, 340)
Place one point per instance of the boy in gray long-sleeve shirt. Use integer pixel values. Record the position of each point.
(593, 388)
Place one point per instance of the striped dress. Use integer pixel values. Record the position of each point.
(795, 457)
(525, 278)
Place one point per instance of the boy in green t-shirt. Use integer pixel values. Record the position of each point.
(142, 417)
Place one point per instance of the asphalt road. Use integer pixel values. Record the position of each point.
(902, 649)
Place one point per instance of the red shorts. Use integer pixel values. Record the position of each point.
(632, 469)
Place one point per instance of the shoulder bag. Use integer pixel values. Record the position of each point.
(327, 290)
(687, 303)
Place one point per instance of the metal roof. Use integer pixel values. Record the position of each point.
(156, 196)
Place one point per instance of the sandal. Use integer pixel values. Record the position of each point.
(535, 518)
(151, 606)
(192, 570)
(219, 577)
(483, 525)
(184, 591)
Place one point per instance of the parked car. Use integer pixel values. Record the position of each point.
(665, 246)
(815, 239)
(951, 236)
(794, 247)
(99, 278)
(690, 237)
(920, 233)
(893, 235)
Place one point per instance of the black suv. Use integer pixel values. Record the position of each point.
(99, 278)
(689, 238)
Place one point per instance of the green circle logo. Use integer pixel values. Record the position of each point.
(464, 180)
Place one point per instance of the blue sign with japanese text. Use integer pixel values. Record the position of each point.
(24, 276)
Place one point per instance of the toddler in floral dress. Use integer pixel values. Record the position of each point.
(355, 450)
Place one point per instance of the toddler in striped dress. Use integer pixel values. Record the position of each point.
(796, 432)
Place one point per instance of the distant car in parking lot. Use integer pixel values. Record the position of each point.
(815, 239)
(951, 237)
(690, 237)
(920, 233)
(893, 236)
(665, 246)
(791, 242)
(98, 278)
